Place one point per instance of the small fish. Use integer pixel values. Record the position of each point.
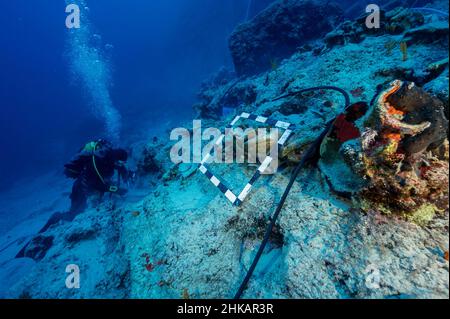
(186, 294)
(357, 92)
(135, 213)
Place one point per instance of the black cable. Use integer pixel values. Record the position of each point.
(310, 154)
(325, 87)
(233, 84)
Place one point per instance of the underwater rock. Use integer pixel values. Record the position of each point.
(383, 157)
(428, 33)
(38, 247)
(398, 72)
(294, 105)
(147, 163)
(399, 20)
(147, 158)
(421, 77)
(278, 31)
(207, 110)
(213, 100)
(416, 197)
(439, 87)
(81, 233)
(209, 244)
(393, 22)
(221, 77)
(92, 241)
(208, 106)
(348, 32)
(180, 171)
(341, 153)
(403, 124)
(418, 108)
(240, 94)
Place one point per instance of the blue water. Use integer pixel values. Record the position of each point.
(152, 57)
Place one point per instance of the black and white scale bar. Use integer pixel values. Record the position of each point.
(238, 199)
(262, 119)
(220, 185)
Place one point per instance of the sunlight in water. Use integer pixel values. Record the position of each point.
(92, 69)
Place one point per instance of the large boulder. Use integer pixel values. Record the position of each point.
(396, 157)
(392, 22)
(278, 31)
(38, 247)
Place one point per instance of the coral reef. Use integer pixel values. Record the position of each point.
(38, 247)
(179, 237)
(392, 154)
(147, 162)
(423, 118)
(391, 158)
(255, 45)
(145, 156)
(211, 104)
(429, 33)
(393, 22)
(93, 242)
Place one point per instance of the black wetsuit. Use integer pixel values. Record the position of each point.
(90, 177)
(92, 171)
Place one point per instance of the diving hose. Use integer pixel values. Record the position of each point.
(316, 88)
(310, 154)
(111, 188)
(95, 165)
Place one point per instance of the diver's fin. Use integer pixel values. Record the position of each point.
(21, 253)
(55, 218)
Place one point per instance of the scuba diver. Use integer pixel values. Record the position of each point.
(92, 168)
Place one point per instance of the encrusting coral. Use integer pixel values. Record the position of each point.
(390, 157)
(403, 128)
(404, 49)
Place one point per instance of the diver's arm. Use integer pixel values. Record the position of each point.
(123, 172)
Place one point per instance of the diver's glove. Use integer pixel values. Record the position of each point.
(131, 176)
